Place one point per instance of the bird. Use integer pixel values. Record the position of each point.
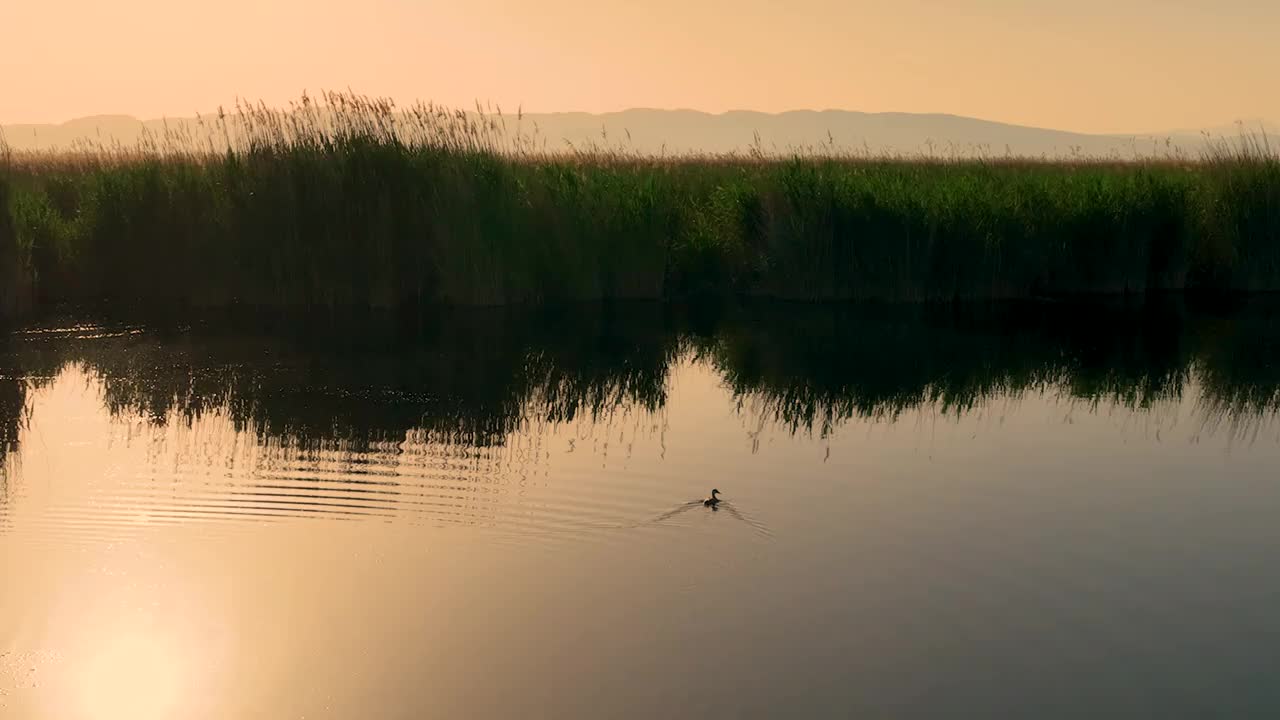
(712, 500)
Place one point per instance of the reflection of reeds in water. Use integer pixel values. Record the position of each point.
(813, 371)
(435, 430)
(467, 377)
(13, 410)
(1240, 375)
(194, 467)
(476, 377)
(431, 421)
(420, 477)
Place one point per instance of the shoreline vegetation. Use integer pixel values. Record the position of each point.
(350, 202)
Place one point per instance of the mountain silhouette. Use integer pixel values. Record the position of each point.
(674, 132)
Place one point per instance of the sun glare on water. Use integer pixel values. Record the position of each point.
(134, 673)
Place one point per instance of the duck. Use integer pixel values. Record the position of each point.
(712, 500)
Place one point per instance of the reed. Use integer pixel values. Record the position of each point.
(15, 266)
(352, 202)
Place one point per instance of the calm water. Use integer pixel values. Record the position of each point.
(1041, 511)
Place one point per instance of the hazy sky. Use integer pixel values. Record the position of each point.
(1088, 65)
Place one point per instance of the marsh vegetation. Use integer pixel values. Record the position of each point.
(351, 202)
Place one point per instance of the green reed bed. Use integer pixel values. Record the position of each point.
(354, 203)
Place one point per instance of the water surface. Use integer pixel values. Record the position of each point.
(1047, 510)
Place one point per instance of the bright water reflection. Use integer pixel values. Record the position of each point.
(1034, 510)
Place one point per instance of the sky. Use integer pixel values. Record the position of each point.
(1129, 66)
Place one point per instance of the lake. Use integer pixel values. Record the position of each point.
(1027, 510)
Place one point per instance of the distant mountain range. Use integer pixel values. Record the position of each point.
(682, 131)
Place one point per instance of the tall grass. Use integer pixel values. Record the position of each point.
(352, 202)
(15, 264)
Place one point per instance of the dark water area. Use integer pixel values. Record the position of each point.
(1051, 509)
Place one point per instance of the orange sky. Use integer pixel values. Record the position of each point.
(1090, 65)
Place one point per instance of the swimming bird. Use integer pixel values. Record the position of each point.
(712, 501)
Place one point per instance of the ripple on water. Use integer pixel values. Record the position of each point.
(205, 470)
